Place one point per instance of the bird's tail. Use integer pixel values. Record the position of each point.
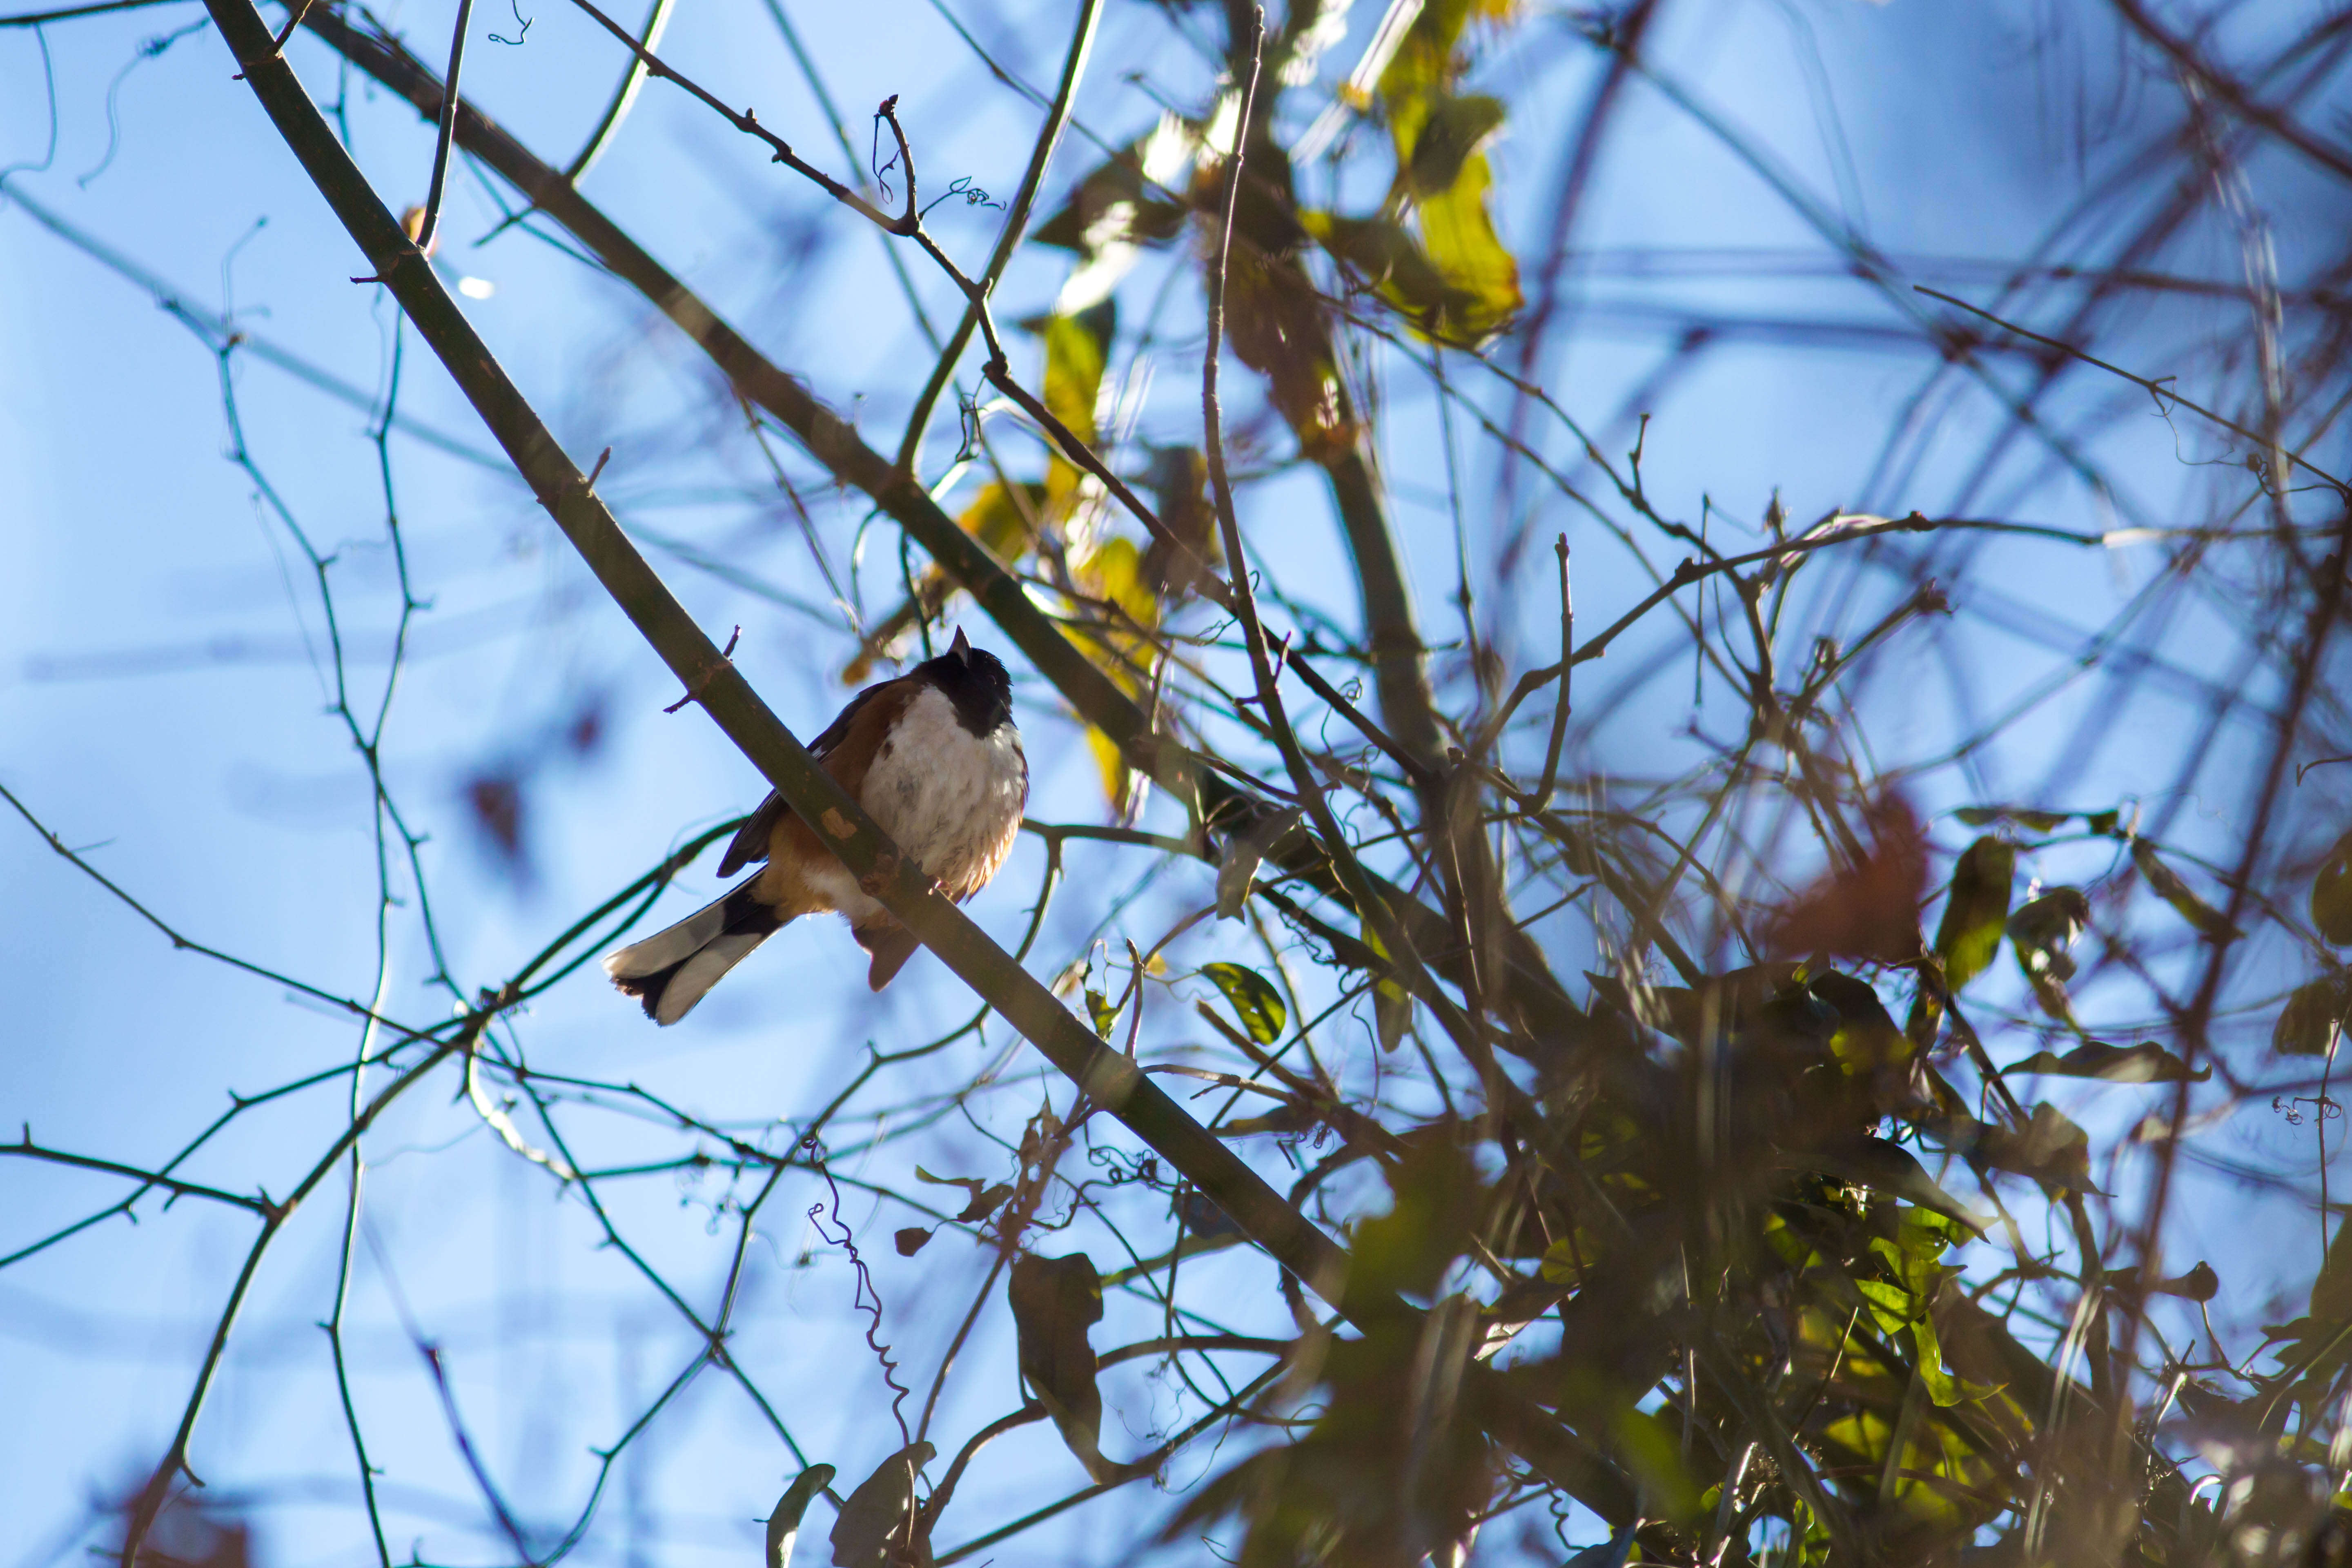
(670, 969)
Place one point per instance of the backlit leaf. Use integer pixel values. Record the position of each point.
(1470, 288)
(1976, 910)
(1099, 1008)
(1391, 1014)
(2050, 1148)
(2331, 894)
(2032, 821)
(2147, 1062)
(1003, 520)
(1386, 258)
(1110, 762)
(1253, 999)
(980, 1197)
(1077, 348)
(785, 1519)
(2040, 931)
(1435, 1195)
(1648, 1446)
(878, 1518)
(1244, 854)
(1392, 1003)
(1942, 1387)
(1891, 1169)
(1112, 569)
(2313, 1018)
(1274, 321)
(1128, 199)
(1055, 1301)
(2165, 884)
(1459, 234)
(1454, 128)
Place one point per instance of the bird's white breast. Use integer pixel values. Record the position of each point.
(949, 799)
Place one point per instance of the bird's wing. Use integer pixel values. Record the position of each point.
(858, 733)
(844, 748)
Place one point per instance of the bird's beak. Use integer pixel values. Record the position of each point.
(961, 646)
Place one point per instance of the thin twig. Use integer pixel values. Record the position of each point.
(446, 138)
(2160, 390)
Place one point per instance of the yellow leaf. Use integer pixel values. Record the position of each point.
(1455, 127)
(1003, 520)
(1113, 571)
(1460, 237)
(1113, 764)
(1077, 350)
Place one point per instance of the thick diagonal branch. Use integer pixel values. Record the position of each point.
(1111, 1081)
(833, 443)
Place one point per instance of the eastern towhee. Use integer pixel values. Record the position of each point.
(933, 757)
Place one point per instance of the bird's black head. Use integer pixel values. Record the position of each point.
(975, 682)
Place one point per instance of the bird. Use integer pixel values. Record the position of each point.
(934, 757)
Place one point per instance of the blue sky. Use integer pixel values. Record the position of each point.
(162, 704)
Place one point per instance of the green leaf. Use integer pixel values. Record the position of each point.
(1976, 909)
(2313, 1018)
(1891, 1306)
(1460, 284)
(878, 1519)
(785, 1519)
(910, 1240)
(1435, 1198)
(1424, 63)
(1105, 1015)
(1651, 1449)
(2147, 1062)
(1942, 1386)
(1888, 1168)
(2165, 884)
(1055, 1301)
(1392, 1004)
(2331, 894)
(1391, 1014)
(1255, 1000)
